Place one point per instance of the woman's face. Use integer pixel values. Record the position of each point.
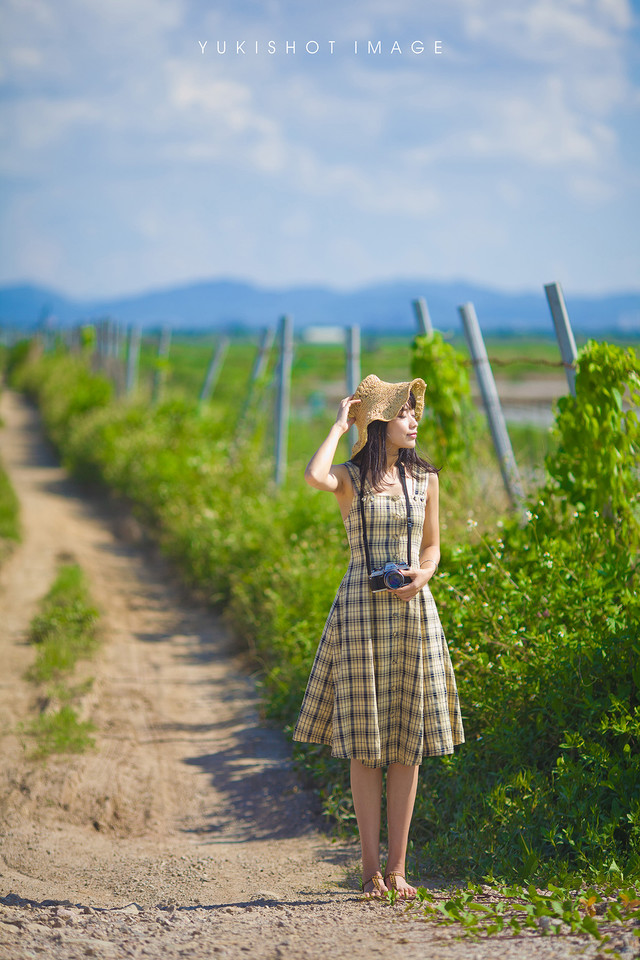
(402, 431)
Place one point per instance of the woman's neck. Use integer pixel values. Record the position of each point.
(392, 460)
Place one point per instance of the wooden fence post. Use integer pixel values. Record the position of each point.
(133, 359)
(352, 336)
(421, 310)
(161, 364)
(284, 397)
(564, 333)
(213, 371)
(487, 384)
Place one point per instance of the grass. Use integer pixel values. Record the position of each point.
(9, 515)
(483, 911)
(60, 732)
(64, 632)
(65, 629)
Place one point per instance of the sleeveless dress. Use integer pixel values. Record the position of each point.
(382, 688)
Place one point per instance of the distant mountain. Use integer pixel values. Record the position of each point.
(379, 308)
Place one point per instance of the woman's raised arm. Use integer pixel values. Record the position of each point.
(321, 472)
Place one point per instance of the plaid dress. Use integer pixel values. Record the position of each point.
(382, 688)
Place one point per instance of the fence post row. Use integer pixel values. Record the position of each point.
(423, 318)
(133, 360)
(161, 368)
(262, 358)
(352, 335)
(259, 369)
(213, 371)
(487, 384)
(564, 333)
(284, 397)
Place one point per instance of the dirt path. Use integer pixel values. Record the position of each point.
(186, 832)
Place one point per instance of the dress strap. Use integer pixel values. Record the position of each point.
(354, 472)
(403, 480)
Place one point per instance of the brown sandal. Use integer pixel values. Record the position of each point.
(377, 886)
(392, 884)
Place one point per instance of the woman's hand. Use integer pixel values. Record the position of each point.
(419, 578)
(345, 420)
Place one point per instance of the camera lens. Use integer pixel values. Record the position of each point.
(394, 579)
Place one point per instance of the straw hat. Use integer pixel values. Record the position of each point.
(382, 401)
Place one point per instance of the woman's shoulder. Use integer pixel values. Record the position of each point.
(348, 471)
(425, 476)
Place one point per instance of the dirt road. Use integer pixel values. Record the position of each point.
(185, 833)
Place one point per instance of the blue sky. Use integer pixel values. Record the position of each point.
(132, 160)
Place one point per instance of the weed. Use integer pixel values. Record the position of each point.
(65, 629)
(63, 632)
(59, 732)
(9, 515)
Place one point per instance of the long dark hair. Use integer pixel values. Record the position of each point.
(372, 459)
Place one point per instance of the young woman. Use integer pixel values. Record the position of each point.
(381, 691)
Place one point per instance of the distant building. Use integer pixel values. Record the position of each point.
(323, 335)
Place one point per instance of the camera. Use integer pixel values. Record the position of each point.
(389, 578)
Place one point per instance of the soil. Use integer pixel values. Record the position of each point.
(186, 832)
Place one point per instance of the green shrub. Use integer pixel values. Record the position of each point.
(47, 379)
(450, 424)
(597, 464)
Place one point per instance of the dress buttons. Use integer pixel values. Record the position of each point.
(395, 497)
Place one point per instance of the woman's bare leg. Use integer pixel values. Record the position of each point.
(402, 782)
(366, 789)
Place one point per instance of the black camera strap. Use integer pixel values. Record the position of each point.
(403, 481)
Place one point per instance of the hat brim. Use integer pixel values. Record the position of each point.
(383, 401)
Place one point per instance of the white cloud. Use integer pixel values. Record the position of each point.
(545, 29)
(544, 132)
(116, 97)
(592, 191)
